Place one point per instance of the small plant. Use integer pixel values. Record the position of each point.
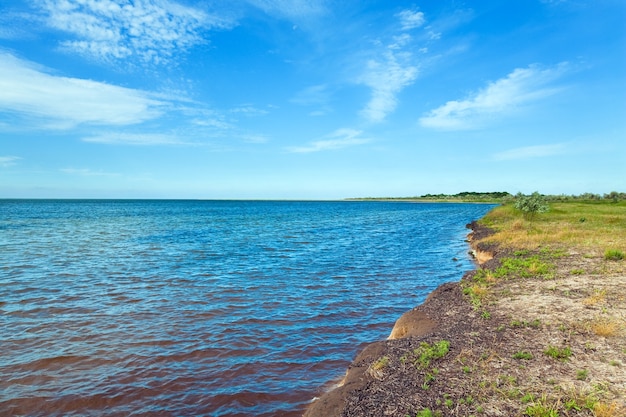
(613, 255)
(542, 408)
(577, 271)
(581, 374)
(427, 352)
(425, 413)
(558, 353)
(466, 369)
(485, 315)
(376, 368)
(522, 355)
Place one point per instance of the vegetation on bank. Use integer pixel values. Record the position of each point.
(500, 197)
(581, 326)
(554, 300)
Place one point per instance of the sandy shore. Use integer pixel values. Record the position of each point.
(538, 344)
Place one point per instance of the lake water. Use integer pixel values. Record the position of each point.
(206, 308)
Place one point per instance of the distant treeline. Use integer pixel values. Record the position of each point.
(469, 196)
(503, 196)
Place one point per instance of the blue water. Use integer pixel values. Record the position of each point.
(206, 308)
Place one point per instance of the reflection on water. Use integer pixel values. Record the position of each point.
(206, 308)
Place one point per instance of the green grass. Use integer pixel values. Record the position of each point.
(558, 353)
(613, 255)
(429, 352)
(604, 225)
(522, 355)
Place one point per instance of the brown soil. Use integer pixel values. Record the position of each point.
(496, 364)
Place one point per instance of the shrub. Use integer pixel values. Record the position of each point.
(531, 205)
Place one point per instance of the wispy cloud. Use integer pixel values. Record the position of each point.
(393, 69)
(249, 110)
(137, 139)
(291, 9)
(386, 77)
(528, 152)
(314, 96)
(339, 139)
(151, 30)
(520, 87)
(7, 161)
(411, 19)
(86, 172)
(63, 102)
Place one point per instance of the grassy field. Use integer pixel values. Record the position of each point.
(590, 226)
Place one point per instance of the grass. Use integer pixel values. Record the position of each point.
(604, 226)
(522, 355)
(376, 369)
(613, 255)
(429, 352)
(558, 353)
(605, 326)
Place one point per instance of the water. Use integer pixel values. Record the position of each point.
(206, 308)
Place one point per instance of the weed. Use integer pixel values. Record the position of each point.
(577, 271)
(581, 374)
(376, 368)
(558, 353)
(523, 323)
(426, 352)
(466, 369)
(524, 268)
(426, 412)
(485, 315)
(543, 408)
(522, 355)
(613, 255)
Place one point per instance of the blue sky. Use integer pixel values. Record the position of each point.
(310, 99)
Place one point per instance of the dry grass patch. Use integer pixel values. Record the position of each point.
(599, 296)
(602, 409)
(605, 326)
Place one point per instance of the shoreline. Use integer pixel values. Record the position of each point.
(414, 323)
(496, 363)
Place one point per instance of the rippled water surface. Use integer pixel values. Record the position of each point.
(206, 308)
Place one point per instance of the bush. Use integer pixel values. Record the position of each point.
(531, 205)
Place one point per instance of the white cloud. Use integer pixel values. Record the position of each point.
(386, 77)
(151, 30)
(410, 19)
(339, 139)
(522, 86)
(313, 95)
(527, 152)
(291, 9)
(66, 102)
(134, 139)
(249, 110)
(7, 161)
(86, 172)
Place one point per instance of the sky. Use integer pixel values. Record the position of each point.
(310, 99)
